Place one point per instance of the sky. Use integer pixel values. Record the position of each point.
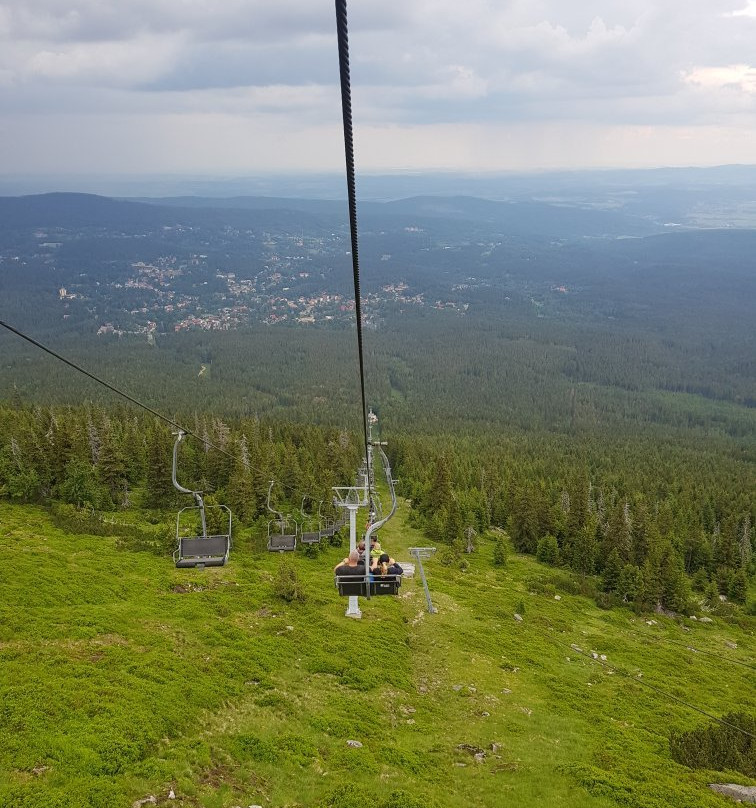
(237, 87)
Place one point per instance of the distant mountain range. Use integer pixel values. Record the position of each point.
(559, 219)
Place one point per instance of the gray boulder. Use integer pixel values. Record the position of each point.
(738, 793)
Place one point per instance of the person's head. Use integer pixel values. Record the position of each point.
(383, 563)
(354, 558)
(361, 546)
(384, 558)
(373, 540)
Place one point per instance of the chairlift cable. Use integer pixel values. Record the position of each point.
(346, 110)
(664, 693)
(92, 376)
(687, 646)
(128, 397)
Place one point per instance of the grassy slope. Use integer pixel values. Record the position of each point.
(121, 677)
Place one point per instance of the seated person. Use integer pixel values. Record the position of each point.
(385, 565)
(361, 551)
(350, 565)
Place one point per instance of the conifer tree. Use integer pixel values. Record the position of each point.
(240, 495)
(585, 548)
(612, 571)
(737, 590)
(618, 533)
(746, 548)
(453, 523)
(675, 587)
(548, 550)
(578, 509)
(711, 595)
(630, 582)
(501, 551)
(439, 493)
(651, 590)
(160, 492)
(524, 522)
(111, 467)
(80, 486)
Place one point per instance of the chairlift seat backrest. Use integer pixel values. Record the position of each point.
(310, 538)
(385, 585)
(282, 542)
(351, 585)
(357, 585)
(210, 551)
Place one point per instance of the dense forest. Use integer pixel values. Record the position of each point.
(652, 518)
(579, 378)
(566, 419)
(106, 460)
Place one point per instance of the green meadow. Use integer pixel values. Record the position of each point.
(122, 677)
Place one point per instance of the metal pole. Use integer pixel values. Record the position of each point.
(196, 494)
(353, 610)
(431, 607)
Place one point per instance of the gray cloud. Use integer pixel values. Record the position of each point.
(415, 63)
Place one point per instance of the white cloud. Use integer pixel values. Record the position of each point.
(440, 69)
(114, 64)
(730, 77)
(748, 11)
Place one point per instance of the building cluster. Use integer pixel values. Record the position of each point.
(281, 285)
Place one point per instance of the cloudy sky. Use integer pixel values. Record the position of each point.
(236, 87)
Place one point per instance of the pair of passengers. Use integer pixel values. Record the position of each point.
(382, 565)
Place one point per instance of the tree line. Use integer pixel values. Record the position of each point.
(114, 458)
(654, 520)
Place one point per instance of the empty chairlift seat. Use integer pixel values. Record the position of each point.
(310, 537)
(280, 537)
(328, 530)
(202, 551)
(206, 550)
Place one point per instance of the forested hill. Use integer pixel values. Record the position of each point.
(68, 211)
(571, 421)
(125, 678)
(571, 332)
(522, 217)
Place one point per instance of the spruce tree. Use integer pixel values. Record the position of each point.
(501, 551)
(630, 582)
(612, 571)
(584, 549)
(160, 492)
(240, 495)
(548, 550)
(439, 493)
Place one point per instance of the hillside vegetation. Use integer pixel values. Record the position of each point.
(123, 677)
(570, 414)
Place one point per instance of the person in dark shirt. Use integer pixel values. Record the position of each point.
(385, 565)
(350, 565)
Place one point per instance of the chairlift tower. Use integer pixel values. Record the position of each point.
(352, 498)
(419, 553)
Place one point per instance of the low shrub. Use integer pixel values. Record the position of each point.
(250, 747)
(286, 583)
(719, 746)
